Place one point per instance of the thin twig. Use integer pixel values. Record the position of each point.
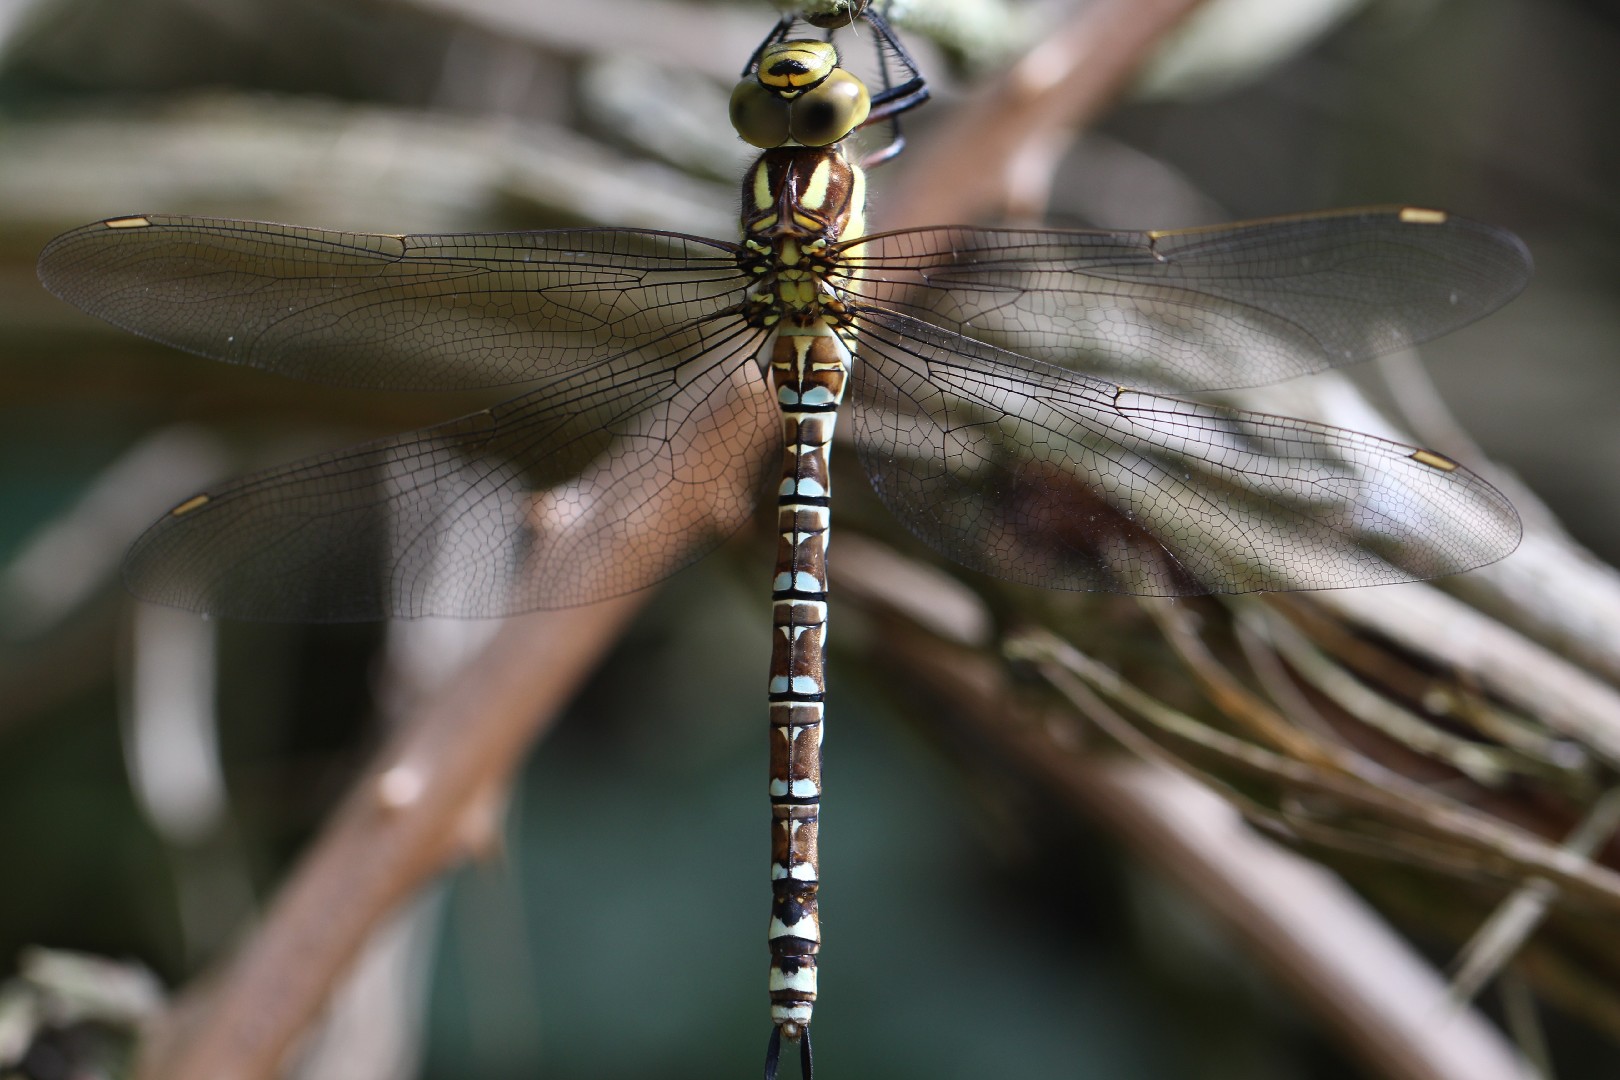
(1509, 665)
(1486, 765)
(1231, 696)
(1518, 916)
(1394, 800)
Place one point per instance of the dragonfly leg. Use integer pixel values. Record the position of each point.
(891, 101)
(783, 28)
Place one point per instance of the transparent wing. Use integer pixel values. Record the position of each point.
(597, 483)
(390, 312)
(1200, 309)
(1041, 476)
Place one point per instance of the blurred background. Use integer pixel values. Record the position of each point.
(634, 847)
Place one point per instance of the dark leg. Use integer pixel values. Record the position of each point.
(892, 100)
(784, 27)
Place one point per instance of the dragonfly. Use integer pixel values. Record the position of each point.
(1012, 395)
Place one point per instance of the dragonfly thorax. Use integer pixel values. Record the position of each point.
(799, 205)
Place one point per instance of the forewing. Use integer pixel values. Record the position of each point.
(399, 312)
(1040, 476)
(1200, 309)
(596, 484)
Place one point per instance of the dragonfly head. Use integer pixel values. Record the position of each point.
(798, 96)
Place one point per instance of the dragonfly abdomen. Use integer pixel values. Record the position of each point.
(809, 367)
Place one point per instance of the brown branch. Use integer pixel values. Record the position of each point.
(1308, 928)
(995, 156)
(424, 807)
(1377, 994)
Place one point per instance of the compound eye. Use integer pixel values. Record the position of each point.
(759, 116)
(832, 110)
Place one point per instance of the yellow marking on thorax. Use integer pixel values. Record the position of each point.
(762, 187)
(1434, 460)
(856, 225)
(815, 192)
